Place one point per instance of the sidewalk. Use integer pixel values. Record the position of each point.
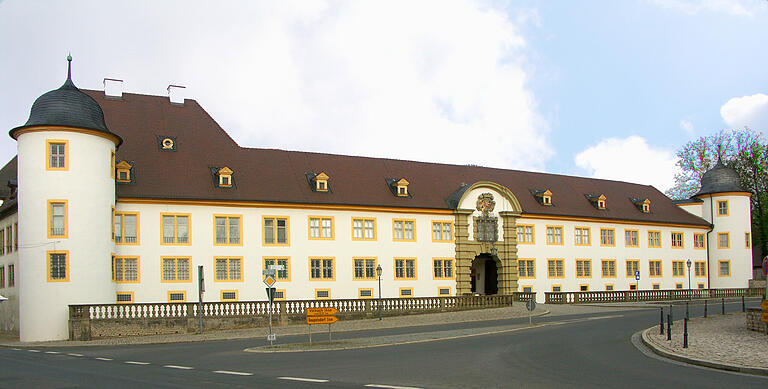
(718, 341)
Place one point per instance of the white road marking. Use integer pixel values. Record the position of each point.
(34, 351)
(136, 363)
(17, 349)
(390, 386)
(75, 355)
(301, 379)
(103, 359)
(51, 352)
(179, 367)
(231, 372)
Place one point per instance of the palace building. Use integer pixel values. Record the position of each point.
(119, 197)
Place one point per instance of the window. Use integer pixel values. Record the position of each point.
(228, 295)
(363, 229)
(677, 240)
(57, 219)
(724, 268)
(403, 230)
(442, 231)
(747, 240)
(228, 269)
(284, 264)
(406, 292)
(320, 227)
(554, 235)
(723, 240)
(556, 288)
(365, 268)
(9, 239)
(2, 242)
(583, 268)
(633, 265)
(525, 234)
(123, 172)
(225, 177)
(112, 164)
(656, 286)
(583, 288)
(11, 276)
(276, 231)
(322, 294)
(405, 268)
(58, 266)
(444, 291)
(678, 269)
(581, 236)
(402, 187)
(365, 293)
(722, 208)
(654, 268)
(526, 268)
(124, 297)
(654, 239)
(608, 267)
(175, 269)
(487, 229)
(679, 285)
(57, 154)
(175, 228)
(630, 238)
(227, 230)
(177, 296)
(555, 268)
(16, 236)
(125, 270)
(442, 268)
(321, 182)
(279, 294)
(321, 269)
(608, 287)
(698, 241)
(2, 277)
(126, 227)
(701, 285)
(607, 237)
(527, 288)
(632, 286)
(700, 268)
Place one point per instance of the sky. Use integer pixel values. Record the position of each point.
(606, 89)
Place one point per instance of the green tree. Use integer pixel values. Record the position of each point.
(743, 150)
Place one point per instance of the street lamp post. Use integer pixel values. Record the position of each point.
(688, 262)
(378, 274)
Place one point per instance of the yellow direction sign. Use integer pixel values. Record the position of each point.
(322, 311)
(764, 305)
(322, 319)
(765, 317)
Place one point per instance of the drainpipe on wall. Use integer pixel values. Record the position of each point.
(712, 228)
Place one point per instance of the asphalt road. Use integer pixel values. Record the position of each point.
(579, 351)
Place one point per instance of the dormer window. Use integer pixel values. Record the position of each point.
(123, 171)
(321, 182)
(225, 177)
(644, 205)
(544, 197)
(597, 201)
(402, 188)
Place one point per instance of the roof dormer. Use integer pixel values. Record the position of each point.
(321, 182)
(643, 204)
(225, 177)
(597, 201)
(399, 187)
(544, 197)
(123, 170)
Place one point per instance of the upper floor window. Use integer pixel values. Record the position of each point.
(363, 229)
(699, 241)
(442, 231)
(525, 234)
(554, 235)
(227, 229)
(630, 238)
(723, 240)
(126, 227)
(275, 230)
(320, 227)
(607, 237)
(654, 239)
(175, 228)
(8, 239)
(57, 218)
(677, 240)
(722, 208)
(724, 268)
(581, 236)
(403, 230)
(57, 154)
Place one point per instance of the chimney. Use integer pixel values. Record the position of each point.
(176, 94)
(113, 88)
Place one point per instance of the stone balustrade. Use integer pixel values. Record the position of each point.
(612, 296)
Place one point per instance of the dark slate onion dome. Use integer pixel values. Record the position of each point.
(67, 106)
(720, 179)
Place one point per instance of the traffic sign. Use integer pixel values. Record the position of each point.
(268, 272)
(764, 305)
(271, 337)
(765, 266)
(269, 281)
(322, 319)
(530, 305)
(321, 311)
(637, 275)
(765, 317)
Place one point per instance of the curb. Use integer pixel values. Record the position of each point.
(699, 362)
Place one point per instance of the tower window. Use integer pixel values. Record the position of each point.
(57, 154)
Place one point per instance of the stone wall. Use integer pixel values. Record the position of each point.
(755, 320)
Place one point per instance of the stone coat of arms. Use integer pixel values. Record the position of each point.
(485, 203)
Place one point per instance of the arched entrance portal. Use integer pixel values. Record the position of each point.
(484, 274)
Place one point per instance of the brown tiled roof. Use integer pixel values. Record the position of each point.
(269, 175)
(8, 173)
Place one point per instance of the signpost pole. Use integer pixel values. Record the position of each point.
(270, 318)
(637, 285)
(200, 290)
(269, 281)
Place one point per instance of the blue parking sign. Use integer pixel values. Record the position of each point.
(637, 275)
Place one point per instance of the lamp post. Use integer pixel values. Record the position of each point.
(378, 274)
(688, 262)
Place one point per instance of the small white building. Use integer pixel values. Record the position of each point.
(118, 198)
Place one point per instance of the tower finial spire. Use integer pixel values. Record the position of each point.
(69, 66)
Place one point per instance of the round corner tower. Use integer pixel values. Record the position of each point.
(66, 193)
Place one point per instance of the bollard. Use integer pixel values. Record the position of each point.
(669, 327)
(743, 307)
(705, 308)
(661, 321)
(685, 333)
(722, 311)
(686, 310)
(670, 311)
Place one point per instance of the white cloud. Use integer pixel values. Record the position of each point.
(426, 80)
(687, 126)
(750, 111)
(629, 159)
(746, 8)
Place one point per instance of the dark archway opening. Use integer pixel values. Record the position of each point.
(485, 274)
